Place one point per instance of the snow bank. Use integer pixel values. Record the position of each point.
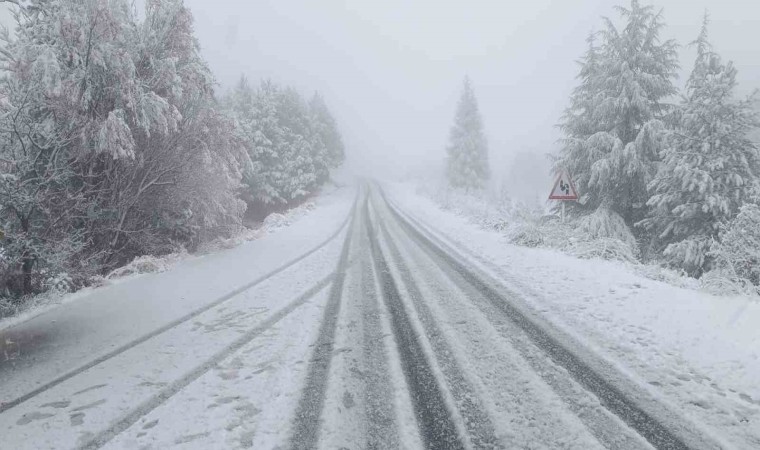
(275, 221)
(148, 264)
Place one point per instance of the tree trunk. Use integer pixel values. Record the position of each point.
(26, 269)
(27, 262)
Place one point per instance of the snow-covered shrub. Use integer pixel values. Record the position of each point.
(527, 234)
(606, 226)
(602, 234)
(674, 277)
(147, 264)
(723, 281)
(599, 235)
(223, 243)
(275, 220)
(736, 255)
(280, 220)
(496, 224)
(488, 211)
(141, 264)
(60, 283)
(601, 248)
(7, 307)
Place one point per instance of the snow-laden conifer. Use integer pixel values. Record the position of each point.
(710, 167)
(327, 133)
(467, 164)
(613, 126)
(578, 125)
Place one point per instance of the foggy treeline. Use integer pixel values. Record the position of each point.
(669, 177)
(114, 143)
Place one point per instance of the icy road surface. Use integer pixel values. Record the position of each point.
(355, 328)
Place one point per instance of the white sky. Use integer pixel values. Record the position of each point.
(392, 70)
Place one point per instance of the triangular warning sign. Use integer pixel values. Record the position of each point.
(563, 189)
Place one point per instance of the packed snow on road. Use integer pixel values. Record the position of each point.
(387, 225)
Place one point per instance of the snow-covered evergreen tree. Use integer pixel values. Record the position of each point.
(297, 149)
(579, 124)
(710, 166)
(467, 164)
(327, 131)
(268, 174)
(291, 145)
(246, 107)
(614, 125)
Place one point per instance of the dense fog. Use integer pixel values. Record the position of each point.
(392, 70)
(379, 224)
(385, 78)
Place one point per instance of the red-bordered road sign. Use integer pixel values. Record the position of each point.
(563, 189)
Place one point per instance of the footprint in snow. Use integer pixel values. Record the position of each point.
(31, 417)
(348, 400)
(77, 419)
(189, 438)
(748, 399)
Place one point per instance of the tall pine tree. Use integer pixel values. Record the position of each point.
(467, 150)
(296, 149)
(327, 131)
(291, 145)
(579, 124)
(613, 126)
(710, 166)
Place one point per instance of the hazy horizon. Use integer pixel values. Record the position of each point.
(392, 72)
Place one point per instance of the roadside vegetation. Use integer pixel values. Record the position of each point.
(666, 177)
(114, 144)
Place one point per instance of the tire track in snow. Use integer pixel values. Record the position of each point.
(606, 428)
(609, 395)
(168, 392)
(434, 419)
(382, 431)
(129, 345)
(305, 433)
(479, 427)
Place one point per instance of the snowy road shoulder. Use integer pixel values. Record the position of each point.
(65, 338)
(698, 351)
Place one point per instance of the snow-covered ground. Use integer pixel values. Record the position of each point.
(698, 352)
(372, 339)
(148, 264)
(96, 321)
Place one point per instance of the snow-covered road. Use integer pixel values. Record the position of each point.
(357, 327)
